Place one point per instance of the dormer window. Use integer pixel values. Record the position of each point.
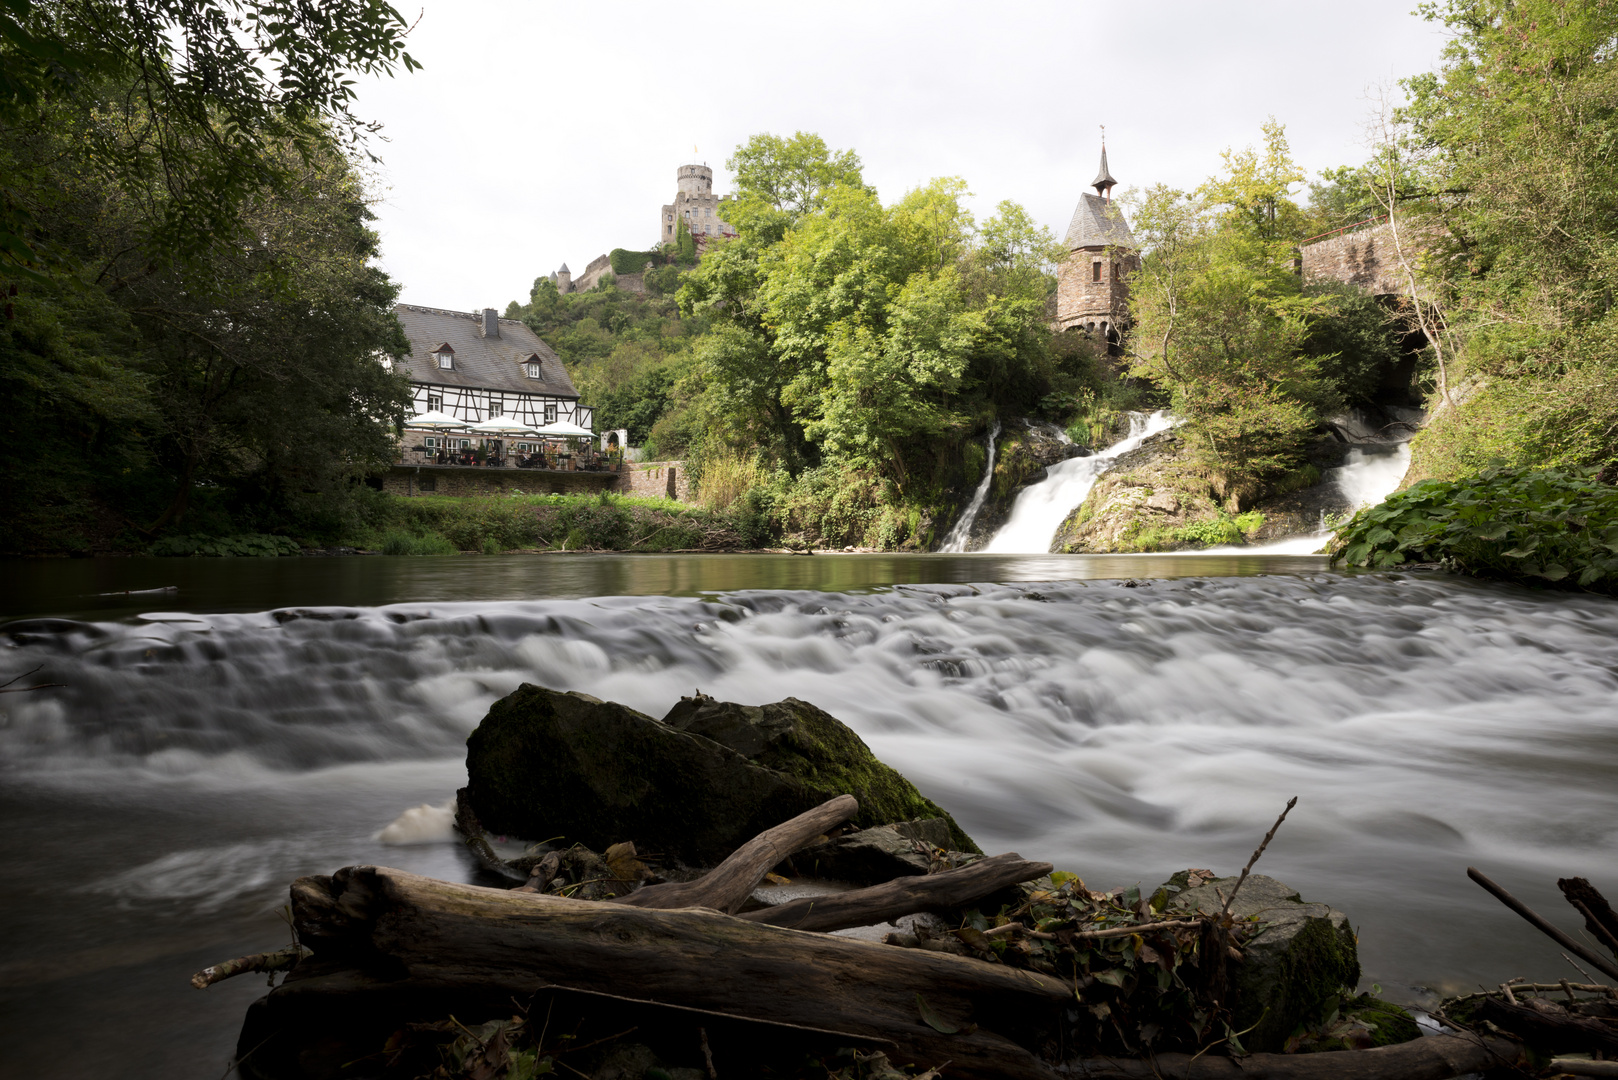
(531, 367)
(445, 356)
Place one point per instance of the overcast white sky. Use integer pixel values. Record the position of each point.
(541, 132)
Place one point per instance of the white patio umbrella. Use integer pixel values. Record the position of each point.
(501, 425)
(566, 430)
(435, 421)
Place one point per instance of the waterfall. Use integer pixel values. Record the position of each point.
(1365, 478)
(962, 532)
(1041, 508)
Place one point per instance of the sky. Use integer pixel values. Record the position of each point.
(540, 133)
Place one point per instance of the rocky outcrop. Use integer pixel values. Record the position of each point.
(570, 768)
(1295, 970)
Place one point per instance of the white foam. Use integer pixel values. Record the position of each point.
(424, 824)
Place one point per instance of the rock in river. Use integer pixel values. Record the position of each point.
(567, 767)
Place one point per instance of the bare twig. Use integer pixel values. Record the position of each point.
(1605, 967)
(1264, 844)
(707, 1053)
(280, 960)
(7, 688)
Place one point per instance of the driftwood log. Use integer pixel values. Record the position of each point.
(1436, 1057)
(403, 932)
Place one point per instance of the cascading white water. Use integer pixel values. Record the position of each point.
(1041, 508)
(1365, 479)
(962, 532)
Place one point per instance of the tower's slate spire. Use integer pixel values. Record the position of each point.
(1104, 183)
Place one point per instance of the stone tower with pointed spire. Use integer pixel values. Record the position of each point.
(1092, 290)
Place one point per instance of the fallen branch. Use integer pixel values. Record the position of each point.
(727, 886)
(1547, 1026)
(1606, 967)
(1599, 918)
(902, 896)
(1435, 1057)
(1584, 1067)
(280, 960)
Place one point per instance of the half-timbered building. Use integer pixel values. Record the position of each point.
(478, 366)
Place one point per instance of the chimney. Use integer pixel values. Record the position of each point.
(491, 323)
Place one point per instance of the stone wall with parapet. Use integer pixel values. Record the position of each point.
(656, 479)
(632, 283)
(471, 480)
(1366, 257)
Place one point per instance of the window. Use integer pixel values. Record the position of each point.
(446, 356)
(435, 402)
(430, 442)
(532, 368)
(1095, 271)
(1115, 271)
(550, 414)
(495, 409)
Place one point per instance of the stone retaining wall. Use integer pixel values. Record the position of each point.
(656, 479)
(461, 481)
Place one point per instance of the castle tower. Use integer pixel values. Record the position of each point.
(695, 204)
(563, 279)
(1092, 291)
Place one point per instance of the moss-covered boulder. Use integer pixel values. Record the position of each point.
(567, 767)
(1299, 961)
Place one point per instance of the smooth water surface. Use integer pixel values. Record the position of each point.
(269, 718)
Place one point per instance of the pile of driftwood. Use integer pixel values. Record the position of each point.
(401, 975)
(1560, 1018)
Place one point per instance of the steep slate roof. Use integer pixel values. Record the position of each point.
(480, 362)
(1098, 223)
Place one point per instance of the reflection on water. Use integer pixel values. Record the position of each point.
(71, 587)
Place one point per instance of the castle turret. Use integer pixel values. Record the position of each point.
(564, 279)
(1092, 293)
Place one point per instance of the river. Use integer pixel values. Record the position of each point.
(1121, 716)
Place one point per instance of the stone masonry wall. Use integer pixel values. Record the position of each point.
(656, 479)
(471, 480)
(1081, 300)
(1365, 257)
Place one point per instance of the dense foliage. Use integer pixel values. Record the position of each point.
(1504, 161)
(195, 323)
(1251, 359)
(1552, 526)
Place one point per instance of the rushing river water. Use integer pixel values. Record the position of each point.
(268, 718)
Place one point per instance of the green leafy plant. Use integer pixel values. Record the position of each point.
(1555, 527)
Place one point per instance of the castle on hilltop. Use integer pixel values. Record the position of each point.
(694, 203)
(1092, 285)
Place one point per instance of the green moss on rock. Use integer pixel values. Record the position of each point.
(548, 765)
(1298, 962)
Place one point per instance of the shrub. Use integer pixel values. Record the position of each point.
(1558, 527)
(726, 475)
(631, 262)
(241, 545)
(404, 542)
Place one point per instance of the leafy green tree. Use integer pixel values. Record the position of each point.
(1517, 126)
(1220, 319)
(779, 181)
(213, 92)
